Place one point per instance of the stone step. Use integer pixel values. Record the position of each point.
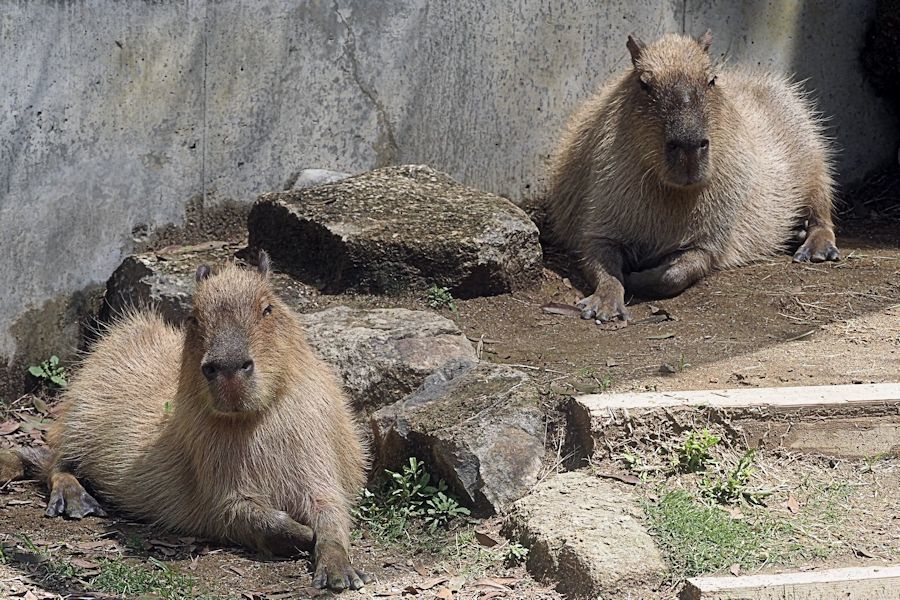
(854, 583)
(851, 421)
(584, 533)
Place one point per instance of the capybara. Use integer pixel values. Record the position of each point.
(229, 428)
(678, 166)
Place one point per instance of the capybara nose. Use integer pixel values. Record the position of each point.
(212, 369)
(688, 146)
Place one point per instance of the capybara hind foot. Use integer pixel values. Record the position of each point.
(11, 467)
(818, 247)
(333, 568)
(606, 303)
(68, 498)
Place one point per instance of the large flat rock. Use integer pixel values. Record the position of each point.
(381, 354)
(583, 533)
(477, 425)
(396, 229)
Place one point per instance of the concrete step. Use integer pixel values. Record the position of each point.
(854, 583)
(851, 421)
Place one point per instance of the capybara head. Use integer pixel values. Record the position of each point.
(232, 340)
(675, 98)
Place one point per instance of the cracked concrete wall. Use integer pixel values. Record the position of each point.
(117, 115)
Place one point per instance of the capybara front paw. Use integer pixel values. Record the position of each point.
(334, 571)
(604, 307)
(817, 249)
(68, 498)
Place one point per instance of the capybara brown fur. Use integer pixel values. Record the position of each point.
(229, 428)
(678, 166)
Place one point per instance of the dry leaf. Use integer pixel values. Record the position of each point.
(444, 594)
(494, 584)
(661, 336)
(735, 569)
(565, 310)
(82, 563)
(485, 540)
(421, 570)
(8, 427)
(612, 363)
(427, 585)
(40, 405)
(792, 503)
(456, 583)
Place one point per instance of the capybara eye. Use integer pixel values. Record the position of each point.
(712, 82)
(267, 311)
(644, 85)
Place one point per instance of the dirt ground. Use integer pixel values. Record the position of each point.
(770, 324)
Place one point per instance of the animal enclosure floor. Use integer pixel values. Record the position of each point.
(770, 324)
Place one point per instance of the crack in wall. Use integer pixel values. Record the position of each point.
(386, 148)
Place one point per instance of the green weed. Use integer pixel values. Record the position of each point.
(439, 298)
(50, 372)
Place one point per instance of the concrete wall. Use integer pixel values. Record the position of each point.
(116, 115)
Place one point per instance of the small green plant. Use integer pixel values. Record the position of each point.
(605, 382)
(694, 454)
(439, 298)
(405, 497)
(50, 372)
(733, 487)
(516, 553)
(122, 578)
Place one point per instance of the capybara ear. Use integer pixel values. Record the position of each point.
(263, 262)
(636, 47)
(203, 272)
(705, 40)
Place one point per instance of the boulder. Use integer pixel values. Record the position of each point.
(396, 229)
(477, 425)
(584, 533)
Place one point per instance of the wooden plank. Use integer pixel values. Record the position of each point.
(783, 397)
(854, 583)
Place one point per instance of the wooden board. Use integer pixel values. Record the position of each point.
(855, 583)
(785, 397)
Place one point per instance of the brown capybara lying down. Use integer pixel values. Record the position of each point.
(229, 428)
(678, 166)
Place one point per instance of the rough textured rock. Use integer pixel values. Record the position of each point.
(165, 279)
(312, 177)
(384, 354)
(478, 426)
(381, 354)
(399, 228)
(583, 533)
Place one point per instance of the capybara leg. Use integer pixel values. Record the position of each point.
(603, 268)
(333, 569)
(11, 466)
(69, 498)
(271, 531)
(819, 245)
(676, 272)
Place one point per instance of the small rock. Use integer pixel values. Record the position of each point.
(583, 532)
(477, 426)
(398, 229)
(312, 177)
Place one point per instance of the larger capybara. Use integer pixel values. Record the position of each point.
(229, 428)
(678, 166)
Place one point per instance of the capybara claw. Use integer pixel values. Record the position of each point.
(808, 252)
(71, 500)
(603, 309)
(334, 571)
